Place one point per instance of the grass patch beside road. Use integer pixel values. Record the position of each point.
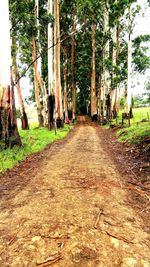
(134, 134)
(33, 140)
(138, 130)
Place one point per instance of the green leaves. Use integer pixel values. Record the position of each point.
(141, 57)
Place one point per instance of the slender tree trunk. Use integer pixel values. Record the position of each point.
(113, 96)
(51, 69)
(39, 70)
(8, 123)
(24, 119)
(57, 66)
(117, 57)
(65, 85)
(73, 71)
(106, 73)
(116, 106)
(50, 51)
(100, 91)
(13, 134)
(45, 97)
(128, 107)
(93, 78)
(37, 93)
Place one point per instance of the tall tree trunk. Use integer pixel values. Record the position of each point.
(93, 78)
(100, 90)
(8, 122)
(117, 57)
(57, 66)
(45, 99)
(24, 119)
(113, 98)
(106, 74)
(39, 69)
(128, 108)
(73, 71)
(50, 51)
(65, 85)
(116, 48)
(51, 69)
(37, 93)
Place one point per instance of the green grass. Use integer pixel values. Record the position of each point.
(138, 130)
(33, 140)
(134, 134)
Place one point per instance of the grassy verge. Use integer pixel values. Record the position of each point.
(138, 130)
(34, 140)
(134, 134)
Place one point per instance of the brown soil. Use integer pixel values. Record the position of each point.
(78, 203)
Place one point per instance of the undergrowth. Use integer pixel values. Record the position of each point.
(35, 139)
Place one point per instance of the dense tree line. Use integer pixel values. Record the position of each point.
(78, 55)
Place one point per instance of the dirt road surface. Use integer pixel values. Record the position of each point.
(69, 207)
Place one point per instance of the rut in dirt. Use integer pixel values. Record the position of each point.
(72, 209)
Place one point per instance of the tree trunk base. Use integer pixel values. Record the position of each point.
(8, 130)
(40, 120)
(24, 121)
(131, 113)
(59, 123)
(94, 118)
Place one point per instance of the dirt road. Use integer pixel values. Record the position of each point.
(71, 209)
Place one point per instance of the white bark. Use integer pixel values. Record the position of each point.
(50, 51)
(57, 61)
(106, 55)
(129, 93)
(5, 44)
(39, 62)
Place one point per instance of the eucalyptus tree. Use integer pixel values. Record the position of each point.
(57, 70)
(24, 118)
(68, 21)
(92, 13)
(15, 18)
(41, 81)
(8, 123)
(66, 11)
(50, 49)
(73, 66)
